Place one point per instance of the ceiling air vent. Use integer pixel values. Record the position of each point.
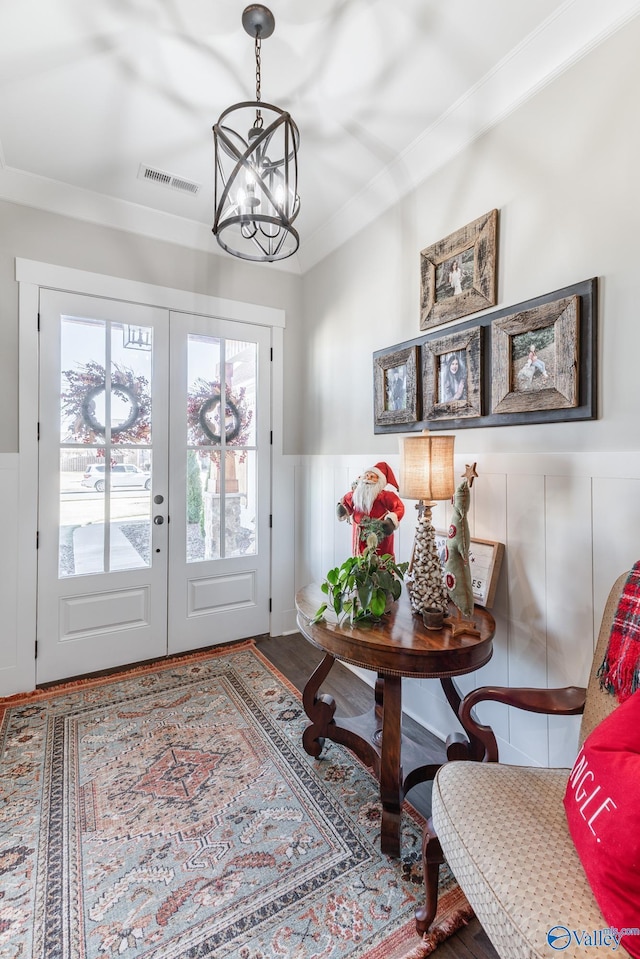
(167, 179)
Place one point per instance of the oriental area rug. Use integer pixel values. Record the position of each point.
(170, 812)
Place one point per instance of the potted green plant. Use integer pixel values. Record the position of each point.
(364, 587)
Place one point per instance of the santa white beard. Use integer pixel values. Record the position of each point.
(366, 493)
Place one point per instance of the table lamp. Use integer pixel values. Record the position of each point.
(426, 474)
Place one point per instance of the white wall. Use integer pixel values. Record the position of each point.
(562, 497)
(562, 172)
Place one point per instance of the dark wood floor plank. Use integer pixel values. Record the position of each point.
(296, 659)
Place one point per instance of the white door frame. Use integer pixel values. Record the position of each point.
(32, 276)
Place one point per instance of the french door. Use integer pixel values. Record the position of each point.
(154, 483)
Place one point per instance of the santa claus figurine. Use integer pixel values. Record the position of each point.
(370, 507)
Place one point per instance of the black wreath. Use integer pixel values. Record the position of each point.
(91, 421)
(216, 400)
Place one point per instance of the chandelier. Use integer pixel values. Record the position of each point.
(256, 168)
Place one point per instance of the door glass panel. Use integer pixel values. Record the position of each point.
(105, 455)
(130, 394)
(81, 538)
(130, 502)
(240, 505)
(221, 438)
(241, 360)
(82, 364)
(211, 525)
(198, 468)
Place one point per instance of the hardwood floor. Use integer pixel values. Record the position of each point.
(296, 659)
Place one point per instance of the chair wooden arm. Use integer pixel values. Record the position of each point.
(565, 701)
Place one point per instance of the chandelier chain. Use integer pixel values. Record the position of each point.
(258, 64)
(258, 121)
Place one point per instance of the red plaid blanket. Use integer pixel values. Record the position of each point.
(620, 670)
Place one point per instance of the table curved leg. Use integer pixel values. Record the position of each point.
(319, 709)
(378, 695)
(391, 791)
(452, 693)
(457, 747)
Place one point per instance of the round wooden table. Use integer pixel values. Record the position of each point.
(398, 646)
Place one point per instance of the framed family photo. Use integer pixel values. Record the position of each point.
(451, 375)
(532, 362)
(535, 358)
(395, 386)
(458, 274)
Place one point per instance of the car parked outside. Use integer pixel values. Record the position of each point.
(122, 474)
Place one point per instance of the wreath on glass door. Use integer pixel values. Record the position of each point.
(205, 421)
(83, 387)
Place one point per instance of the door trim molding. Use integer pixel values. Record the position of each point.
(71, 280)
(32, 275)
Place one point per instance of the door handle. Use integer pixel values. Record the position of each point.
(158, 520)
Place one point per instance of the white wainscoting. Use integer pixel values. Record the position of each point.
(9, 580)
(570, 524)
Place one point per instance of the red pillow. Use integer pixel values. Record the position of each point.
(602, 803)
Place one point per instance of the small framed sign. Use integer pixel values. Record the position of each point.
(485, 558)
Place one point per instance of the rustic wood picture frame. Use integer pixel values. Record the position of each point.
(586, 371)
(451, 365)
(473, 249)
(395, 386)
(535, 358)
(485, 559)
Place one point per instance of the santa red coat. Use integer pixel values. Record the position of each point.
(387, 504)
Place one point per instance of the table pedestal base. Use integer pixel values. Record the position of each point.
(376, 738)
(398, 646)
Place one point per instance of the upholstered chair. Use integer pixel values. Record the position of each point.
(503, 830)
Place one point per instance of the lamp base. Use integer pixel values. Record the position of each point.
(425, 583)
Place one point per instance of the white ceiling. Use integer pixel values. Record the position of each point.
(383, 91)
